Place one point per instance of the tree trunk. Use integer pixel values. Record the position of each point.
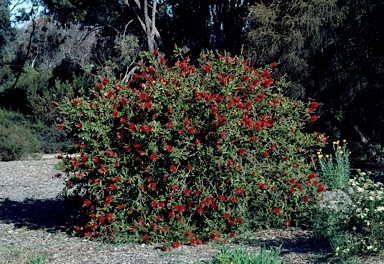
(368, 147)
(147, 22)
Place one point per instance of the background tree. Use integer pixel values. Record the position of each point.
(7, 34)
(331, 51)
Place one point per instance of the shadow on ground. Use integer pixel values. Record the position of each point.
(52, 215)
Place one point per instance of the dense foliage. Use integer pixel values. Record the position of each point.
(187, 153)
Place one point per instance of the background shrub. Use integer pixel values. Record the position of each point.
(17, 140)
(187, 153)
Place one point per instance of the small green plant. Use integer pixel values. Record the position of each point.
(37, 258)
(334, 171)
(241, 256)
(191, 153)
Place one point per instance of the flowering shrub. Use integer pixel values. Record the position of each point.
(186, 153)
(358, 230)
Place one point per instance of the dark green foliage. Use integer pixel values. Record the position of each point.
(52, 140)
(6, 36)
(17, 139)
(292, 33)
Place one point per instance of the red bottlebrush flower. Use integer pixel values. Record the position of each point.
(95, 159)
(286, 158)
(192, 130)
(207, 68)
(145, 238)
(228, 182)
(180, 131)
(276, 210)
(230, 162)
(314, 105)
(287, 223)
(162, 60)
(313, 118)
(227, 216)
(110, 217)
(152, 186)
(312, 175)
(112, 187)
(198, 96)
(174, 187)
(155, 52)
(170, 125)
(200, 211)
(119, 206)
(321, 188)
(221, 198)
(176, 244)
(158, 218)
(77, 101)
(209, 200)
(267, 154)
(265, 73)
(198, 192)
(292, 180)
(291, 191)
(187, 193)
(188, 233)
(79, 125)
(145, 128)
(214, 236)
(148, 106)
(242, 151)
(153, 157)
(173, 168)
(59, 156)
(123, 119)
(86, 203)
(75, 163)
(171, 214)
(102, 220)
(263, 186)
(110, 94)
(240, 220)
(99, 86)
(105, 81)
(132, 228)
(164, 229)
(142, 188)
(189, 167)
(161, 204)
(307, 199)
(232, 235)
(151, 68)
(115, 179)
(168, 148)
(239, 191)
(274, 64)
(245, 78)
(187, 122)
(273, 147)
(154, 226)
(132, 126)
(252, 139)
(123, 101)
